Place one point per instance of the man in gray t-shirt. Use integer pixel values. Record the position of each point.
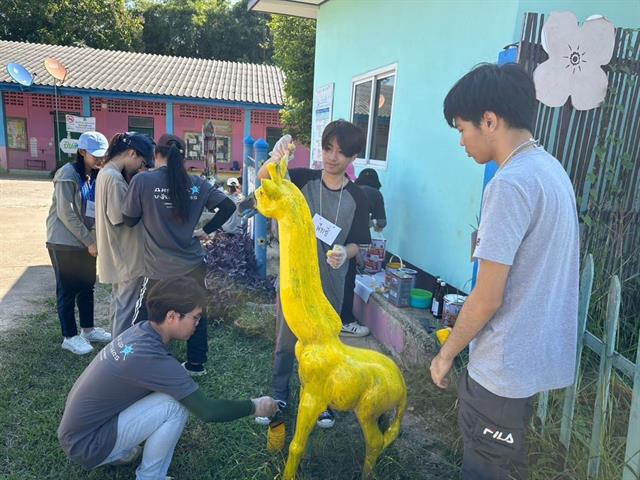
(135, 391)
(520, 320)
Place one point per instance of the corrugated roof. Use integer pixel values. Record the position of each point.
(146, 73)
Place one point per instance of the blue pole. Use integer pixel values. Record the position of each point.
(246, 153)
(169, 118)
(86, 106)
(260, 223)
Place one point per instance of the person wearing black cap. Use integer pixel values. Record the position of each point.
(370, 185)
(121, 260)
(169, 202)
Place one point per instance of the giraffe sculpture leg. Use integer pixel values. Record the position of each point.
(373, 439)
(308, 411)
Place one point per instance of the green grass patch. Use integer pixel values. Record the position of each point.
(36, 376)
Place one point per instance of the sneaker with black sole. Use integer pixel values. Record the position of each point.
(282, 406)
(354, 329)
(326, 419)
(193, 369)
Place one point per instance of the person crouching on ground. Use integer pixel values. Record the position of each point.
(135, 391)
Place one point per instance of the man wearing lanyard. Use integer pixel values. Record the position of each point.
(341, 208)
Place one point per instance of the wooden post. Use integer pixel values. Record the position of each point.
(632, 452)
(543, 407)
(604, 378)
(586, 284)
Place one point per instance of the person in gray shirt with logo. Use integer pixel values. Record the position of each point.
(527, 284)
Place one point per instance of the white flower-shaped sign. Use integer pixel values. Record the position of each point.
(575, 57)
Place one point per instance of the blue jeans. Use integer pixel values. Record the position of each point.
(158, 420)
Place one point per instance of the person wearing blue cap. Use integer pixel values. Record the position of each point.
(121, 260)
(169, 202)
(71, 242)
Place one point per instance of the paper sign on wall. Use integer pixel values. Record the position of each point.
(80, 124)
(322, 113)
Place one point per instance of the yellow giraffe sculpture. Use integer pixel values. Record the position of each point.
(332, 374)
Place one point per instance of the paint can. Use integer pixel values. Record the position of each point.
(451, 308)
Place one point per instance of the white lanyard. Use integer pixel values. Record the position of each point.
(339, 198)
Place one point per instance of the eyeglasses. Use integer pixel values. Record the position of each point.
(196, 318)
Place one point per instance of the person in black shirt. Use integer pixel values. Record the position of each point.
(331, 195)
(370, 184)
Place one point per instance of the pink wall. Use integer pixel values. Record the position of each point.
(112, 116)
(110, 122)
(37, 109)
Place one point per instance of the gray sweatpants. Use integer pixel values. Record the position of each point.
(124, 296)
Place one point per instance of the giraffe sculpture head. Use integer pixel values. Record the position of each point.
(277, 197)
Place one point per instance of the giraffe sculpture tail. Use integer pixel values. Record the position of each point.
(393, 431)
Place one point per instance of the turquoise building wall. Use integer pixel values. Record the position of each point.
(432, 190)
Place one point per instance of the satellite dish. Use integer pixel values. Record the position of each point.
(56, 69)
(20, 74)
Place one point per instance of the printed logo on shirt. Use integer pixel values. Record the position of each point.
(194, 191)
(119, 350)
(126, 350)
(505, 437)
(162, 194)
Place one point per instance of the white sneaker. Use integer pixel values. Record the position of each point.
(77, 345)
(354, 329)
(97, 335)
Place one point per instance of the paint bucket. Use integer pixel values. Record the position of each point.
(451, 308)
(374, 255)
(391, 267)
(421, 298)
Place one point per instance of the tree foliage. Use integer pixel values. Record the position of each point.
(206, 29)
(294, 42)
(93, 23)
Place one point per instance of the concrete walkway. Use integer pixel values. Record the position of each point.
(26, 277)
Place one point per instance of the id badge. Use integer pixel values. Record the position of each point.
(326, 231)
(90, 210)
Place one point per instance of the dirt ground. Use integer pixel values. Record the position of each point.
(26, 277)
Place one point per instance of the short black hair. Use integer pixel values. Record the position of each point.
(182, 295)
(369, 177)
(506, 90)
(350, 137)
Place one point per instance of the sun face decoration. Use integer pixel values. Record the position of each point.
(576, 54)
(575, 58)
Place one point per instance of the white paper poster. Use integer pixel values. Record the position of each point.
(80, 124)
(322, 113)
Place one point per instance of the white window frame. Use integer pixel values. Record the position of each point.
(372, 77)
